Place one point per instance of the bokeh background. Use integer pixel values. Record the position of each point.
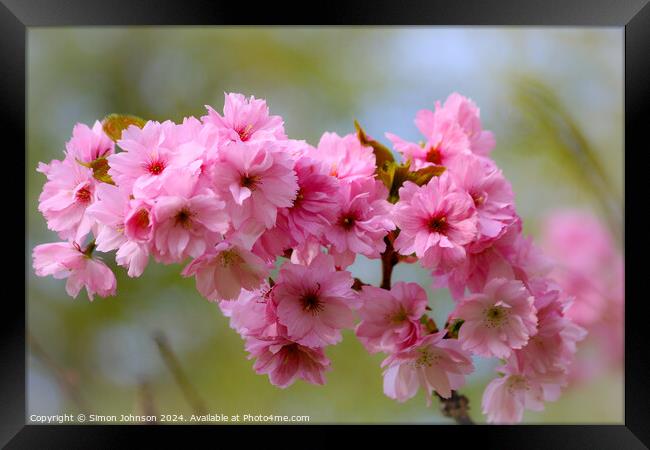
(552, 96)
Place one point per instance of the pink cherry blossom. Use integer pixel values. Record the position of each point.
(390, 320)
(344, 157)
(491, 193)
(433, 363)
(224, 270)
(255, 179)
(68, 260)
(465, 112)
(363, 219)
(553, 347)
(505, 398)
(88, 145)
(150, 153)
(252, 313)
(187, 226)
(445, 139)
(315, 206)
(500, 319)
(245, 119)
(314, 302)
(285, 361)
(436, 222)
(69, 190)
(134, 256)
(273, 242)
(123, 224)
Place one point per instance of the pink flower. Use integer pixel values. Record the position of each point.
(433, 363)
(223, 271)
(363, 218)
(390, 320)
(436, 222)
(446, 139)
(134, 256)
(123, 224)
(314, 302)
(69, 190)
(285, 361)
(505, 398)
(552, 349)
(68, 260)
(138, 222)
(187, 226)
(473, 272)
(273, 242)
(465, 112)
(315, 206)
(344, 157)
(150, 155)
(500, 319)
(252, 313)
(255, 179)
(245, 120)
(89, 145)
(491, 193)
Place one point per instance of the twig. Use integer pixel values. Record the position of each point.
(146, 400)
(66, 378)
(180, 377)
(456, 407)
(389, 259)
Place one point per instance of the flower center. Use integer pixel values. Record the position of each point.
(156, 167)
(83, 195)
(399, 317)
(478, 199)
(438, 225)
(245, 133)
(311, 302)
(184, 218)
(517, 383)
(249, 181)
(229, 258)
(347, 221)
(426, 358)
(142, 218)
(434, 156)
(300, 196)
(495, 316)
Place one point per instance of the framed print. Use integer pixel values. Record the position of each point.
(393, 216)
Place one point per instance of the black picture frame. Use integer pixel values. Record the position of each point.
(633, 15)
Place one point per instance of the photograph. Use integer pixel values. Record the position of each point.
(325, 225)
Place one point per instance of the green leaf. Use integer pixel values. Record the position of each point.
(114, 124)
(100, 169)
(424, 175)
(383, 155)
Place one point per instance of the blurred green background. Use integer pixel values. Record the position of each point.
(552, 96)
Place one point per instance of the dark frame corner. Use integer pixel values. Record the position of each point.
(16, 16)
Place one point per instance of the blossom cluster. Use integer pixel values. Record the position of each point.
(230, 195)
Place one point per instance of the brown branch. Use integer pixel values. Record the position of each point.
(456, 407)
(389, 259)
(174, 366)
(66, 378)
